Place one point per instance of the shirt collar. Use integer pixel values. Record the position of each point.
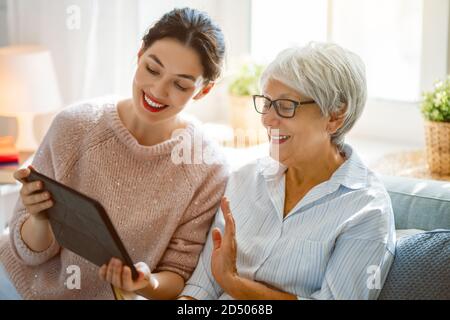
(353, 172)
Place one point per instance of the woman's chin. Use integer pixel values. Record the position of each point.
(281, 157)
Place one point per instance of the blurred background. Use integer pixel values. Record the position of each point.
(93, 45)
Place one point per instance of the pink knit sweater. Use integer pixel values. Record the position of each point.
(161, 210)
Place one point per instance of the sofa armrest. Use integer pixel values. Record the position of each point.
(419, 204)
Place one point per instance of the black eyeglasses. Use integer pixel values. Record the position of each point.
(285, 108)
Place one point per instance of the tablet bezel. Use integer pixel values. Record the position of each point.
(99, 210)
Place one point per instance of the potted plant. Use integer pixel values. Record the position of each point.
(436, 111)
(246, 122)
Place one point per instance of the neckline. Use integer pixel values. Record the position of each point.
(127, 139)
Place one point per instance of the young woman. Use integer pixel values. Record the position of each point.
(122, 155)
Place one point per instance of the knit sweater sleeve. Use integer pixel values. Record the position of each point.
(185, 247)
(51, 159)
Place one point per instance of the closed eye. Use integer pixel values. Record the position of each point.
(178, 86)
(153, 72)
(156, 73)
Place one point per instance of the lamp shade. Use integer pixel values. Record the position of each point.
(27, 81)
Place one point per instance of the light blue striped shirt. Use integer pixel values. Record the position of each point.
(338, 242)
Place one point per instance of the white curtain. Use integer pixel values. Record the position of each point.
(93, 42)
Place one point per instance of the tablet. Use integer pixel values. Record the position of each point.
(81, 224)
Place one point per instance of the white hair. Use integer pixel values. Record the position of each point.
(329, 74)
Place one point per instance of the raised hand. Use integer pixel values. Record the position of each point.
(223, 259)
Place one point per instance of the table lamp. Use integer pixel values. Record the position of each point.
(28, 86)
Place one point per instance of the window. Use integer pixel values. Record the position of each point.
(276, 25)
(386, 34)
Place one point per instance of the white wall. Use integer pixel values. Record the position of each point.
(393, 122)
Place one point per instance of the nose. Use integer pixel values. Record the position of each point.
(159, 89)
(270, 119)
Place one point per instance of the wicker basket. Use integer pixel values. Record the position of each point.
(437, 136)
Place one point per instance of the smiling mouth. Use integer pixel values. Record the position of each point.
(152, 105)
(275, 136)
(279, 139)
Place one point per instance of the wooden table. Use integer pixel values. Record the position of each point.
(407, 164)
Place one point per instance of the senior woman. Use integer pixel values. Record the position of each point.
(314, 222)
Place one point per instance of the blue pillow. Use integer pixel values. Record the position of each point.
(421, 268)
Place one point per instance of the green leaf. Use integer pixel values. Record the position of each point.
(246, 81)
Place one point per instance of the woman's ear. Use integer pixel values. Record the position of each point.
(205, 90)
(336, 120)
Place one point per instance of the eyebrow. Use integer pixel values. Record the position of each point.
(287, 96)
(295, 98)
(284, 96)
(186, 76)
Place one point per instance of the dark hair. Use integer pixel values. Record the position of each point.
(195, 29)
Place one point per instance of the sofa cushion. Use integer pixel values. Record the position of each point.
(420, 269)
(419, 204)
